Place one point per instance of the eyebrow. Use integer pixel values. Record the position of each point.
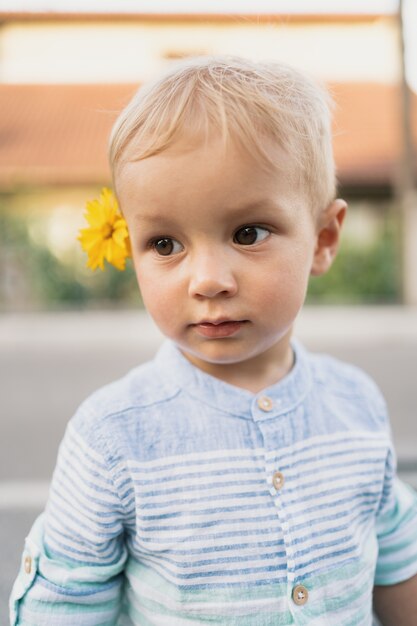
(234, 212)
(262, 203)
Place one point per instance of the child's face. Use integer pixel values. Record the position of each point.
(223, 250)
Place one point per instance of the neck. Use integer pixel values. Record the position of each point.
(256, 373)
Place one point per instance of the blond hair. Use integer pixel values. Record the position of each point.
(250, 102)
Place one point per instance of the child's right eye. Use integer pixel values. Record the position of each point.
(166, 246)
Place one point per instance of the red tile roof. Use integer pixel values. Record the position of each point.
(367, 132)
(207, 17)
(57, 134)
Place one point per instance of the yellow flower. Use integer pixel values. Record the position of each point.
(107, 236)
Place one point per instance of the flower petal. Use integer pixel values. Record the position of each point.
(107, 236)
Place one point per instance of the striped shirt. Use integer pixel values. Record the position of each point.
(179, 499)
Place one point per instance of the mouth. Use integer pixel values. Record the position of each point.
(218, 328)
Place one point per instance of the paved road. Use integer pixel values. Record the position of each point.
(50, 363)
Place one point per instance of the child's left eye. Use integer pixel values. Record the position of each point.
(248, 235)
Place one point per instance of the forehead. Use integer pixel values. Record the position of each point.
(206, 173)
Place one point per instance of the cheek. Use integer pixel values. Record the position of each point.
(284, 281)
(159, 295)
(282, 300)
(279, 292)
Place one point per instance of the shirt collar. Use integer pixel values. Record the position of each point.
(283, 396)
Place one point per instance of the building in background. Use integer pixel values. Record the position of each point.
(64, 78)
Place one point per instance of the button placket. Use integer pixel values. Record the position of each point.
(277, 482)
(278, 493)
(290, 552)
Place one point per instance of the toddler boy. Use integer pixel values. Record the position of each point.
(236, 478)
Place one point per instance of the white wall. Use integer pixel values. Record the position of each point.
(74, 51)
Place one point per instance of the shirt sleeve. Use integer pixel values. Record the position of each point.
(396, 530)
(72, 565)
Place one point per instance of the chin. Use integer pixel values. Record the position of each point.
(222, 354)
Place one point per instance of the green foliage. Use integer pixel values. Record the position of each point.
(53, 282)
(367, 275)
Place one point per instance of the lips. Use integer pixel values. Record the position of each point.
(218, 328)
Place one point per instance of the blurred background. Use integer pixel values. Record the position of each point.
(66, 70)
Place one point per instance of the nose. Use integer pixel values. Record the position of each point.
(211, 275)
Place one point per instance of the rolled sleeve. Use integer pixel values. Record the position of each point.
(50, 591)
(74, 556)
(27, 572)
(397, 536)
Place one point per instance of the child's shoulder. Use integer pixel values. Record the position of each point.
(345, 380)
(139, 389)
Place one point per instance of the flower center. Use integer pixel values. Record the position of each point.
(107, 231)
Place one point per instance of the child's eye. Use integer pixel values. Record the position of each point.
(166, 246)
(249, 235)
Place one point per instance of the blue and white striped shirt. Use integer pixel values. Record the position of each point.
(179, 499)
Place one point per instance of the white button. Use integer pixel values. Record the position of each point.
(300, 595)
(291, 563)
(27, 564)
(285, 526)
(265, 403)
(278, 480)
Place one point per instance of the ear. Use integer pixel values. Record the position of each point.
(328, 236)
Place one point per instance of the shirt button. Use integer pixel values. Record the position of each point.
(300, 595)
(28, 564)
(265, 403)
(278, 480)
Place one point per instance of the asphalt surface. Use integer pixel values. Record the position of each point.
(50, 362)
